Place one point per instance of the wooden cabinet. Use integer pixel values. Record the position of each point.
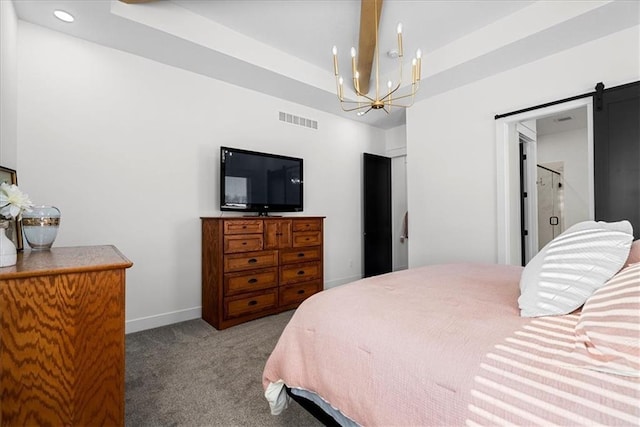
(253, 267)
(62, 338)
(277, 234)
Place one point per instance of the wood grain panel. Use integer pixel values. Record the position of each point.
(250, 260)
(312, 224)
(62, 339)
(307, 238)
(99, 343)
(235, 283)
(300, 255)
(295, 273)
(243, 226)
(370, 11)
(242, 243)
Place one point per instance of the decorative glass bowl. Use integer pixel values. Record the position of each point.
(40, 226)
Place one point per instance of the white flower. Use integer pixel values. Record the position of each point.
(13, 201)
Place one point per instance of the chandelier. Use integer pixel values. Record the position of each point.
(381, 101)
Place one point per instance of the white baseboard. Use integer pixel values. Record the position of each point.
(164, 319)
(337, 282)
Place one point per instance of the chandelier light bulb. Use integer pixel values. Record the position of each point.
(353, 52)
(389, 84)
(418, 53)
(334, 50)
(340, 81)
(399, 28)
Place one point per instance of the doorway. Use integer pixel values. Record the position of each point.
(547, 137)
(377, 215)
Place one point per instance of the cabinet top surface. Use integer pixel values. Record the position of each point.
(249, 218)
(65, 260)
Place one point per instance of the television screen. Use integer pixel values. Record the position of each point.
(259, 182)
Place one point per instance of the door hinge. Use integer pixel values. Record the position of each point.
(525, 232)
(524, 194)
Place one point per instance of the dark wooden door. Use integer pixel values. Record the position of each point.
(617, 155)
(377, 214)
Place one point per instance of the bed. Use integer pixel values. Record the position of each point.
(446, 345)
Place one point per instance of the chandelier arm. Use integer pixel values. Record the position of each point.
(347, 101)
(402, 105)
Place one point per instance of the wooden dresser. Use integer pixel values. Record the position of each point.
(253, 267)
(62, 338)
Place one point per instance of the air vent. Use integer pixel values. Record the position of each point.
(564, 119)
(297, 120)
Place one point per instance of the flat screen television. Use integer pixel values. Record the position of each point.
(259, 182)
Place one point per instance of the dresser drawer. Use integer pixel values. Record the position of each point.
(242, 243)
(295, 294)
(296, 273)
(243, 226)
(300, 255)
(235, 283)
(253, 260)
(307, 224)
(307, 238)
(239, 306)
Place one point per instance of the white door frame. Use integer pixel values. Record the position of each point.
(508, 175)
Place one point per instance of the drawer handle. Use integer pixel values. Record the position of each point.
(244, 243)
(252, 302)
(252, 280)
(300, 273)
(252, 261)
(244, 226)
(301, 291)
(307, 239)
(301, 255)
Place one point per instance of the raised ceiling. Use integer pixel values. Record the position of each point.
(283, 47)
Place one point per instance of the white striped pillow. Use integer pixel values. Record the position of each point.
(634, 253)
(608, 330)
(560, 278)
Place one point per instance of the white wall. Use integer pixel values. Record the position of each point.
(8, 86)
(451, 144)
(127, 148)
(570, 148)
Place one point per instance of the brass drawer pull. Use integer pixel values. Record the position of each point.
(300, 273)
(252, 280)
(244, 243)
(301, 255)
(301, 291)
(252, 261)
(252, 302)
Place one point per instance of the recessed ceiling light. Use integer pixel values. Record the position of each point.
(63, 16)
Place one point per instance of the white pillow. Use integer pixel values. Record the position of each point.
(561, 277)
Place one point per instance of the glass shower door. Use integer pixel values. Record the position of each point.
(550, 205)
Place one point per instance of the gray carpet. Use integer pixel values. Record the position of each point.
(191, 374)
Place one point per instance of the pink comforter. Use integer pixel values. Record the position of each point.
(435, 346)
